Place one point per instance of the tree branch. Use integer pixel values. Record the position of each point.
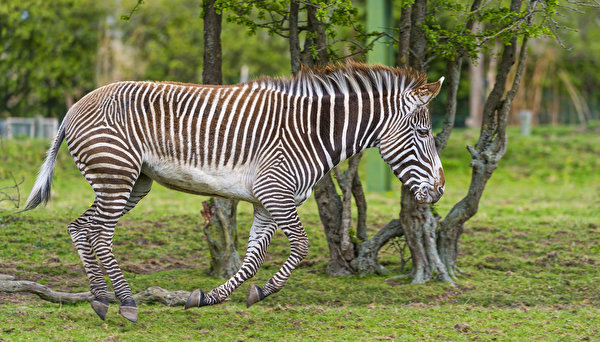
(151, 295)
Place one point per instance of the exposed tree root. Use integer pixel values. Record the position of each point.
(151, 295)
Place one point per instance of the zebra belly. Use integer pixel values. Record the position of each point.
(224, 182)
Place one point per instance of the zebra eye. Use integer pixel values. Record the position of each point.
(423, 132)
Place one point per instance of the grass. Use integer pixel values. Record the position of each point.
(531, 254)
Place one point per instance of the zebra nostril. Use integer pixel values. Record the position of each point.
(440, 190)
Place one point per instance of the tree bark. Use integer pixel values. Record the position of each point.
(320, 39)
(404, 37)
(295, 52)
(366, 261)
(330, 209)
(151, 295)
(334, 212)
(212, 62)
(418, 41)
(453, 72)
(219, 213)
(361, 208)
(221, 231)
(418, 223)
(489, 149)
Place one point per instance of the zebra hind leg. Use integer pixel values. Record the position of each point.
(140, 189)
(78, 231)
(113, 199)
(263, 228)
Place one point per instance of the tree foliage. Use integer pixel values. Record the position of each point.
(340, 18)
(47, 52)
(166, 37)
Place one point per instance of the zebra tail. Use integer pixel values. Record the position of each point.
(41, 189)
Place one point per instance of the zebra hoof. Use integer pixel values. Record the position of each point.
(100, 307)
(129, 312)
(255, 294)
(196, 299)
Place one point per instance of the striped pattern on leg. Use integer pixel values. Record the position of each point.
(263, 228)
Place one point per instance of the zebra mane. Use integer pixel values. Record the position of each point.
(350, 77)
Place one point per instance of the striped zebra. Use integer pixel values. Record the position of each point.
(267, 141)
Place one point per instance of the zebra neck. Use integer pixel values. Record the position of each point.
(332, 128)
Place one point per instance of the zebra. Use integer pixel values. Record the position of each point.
(267, 141)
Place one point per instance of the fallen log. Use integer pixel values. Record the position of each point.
(151, 295)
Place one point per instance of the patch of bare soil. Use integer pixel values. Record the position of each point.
(554, 257)
(451, 294)
(17, 298)
(153, 266)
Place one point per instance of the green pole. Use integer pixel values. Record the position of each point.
(379, 18)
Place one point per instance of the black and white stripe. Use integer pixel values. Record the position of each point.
(267, 141)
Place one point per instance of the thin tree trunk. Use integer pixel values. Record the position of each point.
(330, 209)
(334, 213)
(320, 39)
(404, 37)
(361, 208)
(295, 53)
(489, 149)
(212, 62)
(418, 41)
(417, 221)
(219, 213)
(453, 72)
(221, 232)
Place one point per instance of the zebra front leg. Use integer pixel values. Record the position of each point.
(283, 211)
(263, 228)
(78, 230)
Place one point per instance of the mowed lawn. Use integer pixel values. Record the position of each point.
(531, 255)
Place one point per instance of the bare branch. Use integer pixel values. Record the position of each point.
(15, 200)
(153, 294)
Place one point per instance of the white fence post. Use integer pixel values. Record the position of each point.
(525, 116)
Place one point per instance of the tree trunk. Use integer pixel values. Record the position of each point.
(366, 261)
(219, 213)
(212, 61)
(295, 53)
(220, 230)
(404, 37)
(335, 214)
(489, 149)
(330, 209)
(418, 40)
(417, 221)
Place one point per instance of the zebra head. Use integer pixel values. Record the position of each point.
(407, 144)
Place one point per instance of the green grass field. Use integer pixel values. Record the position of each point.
(532, 256)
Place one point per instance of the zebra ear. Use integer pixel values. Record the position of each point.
(427, 92)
